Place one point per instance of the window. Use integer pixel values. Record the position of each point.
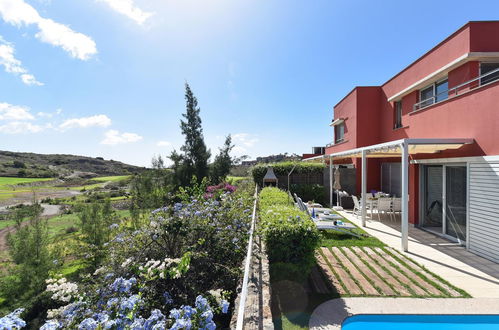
(434, 93)
(486, 68)
(441, 89)
(339, 133)
(426, 96)
(398, 115)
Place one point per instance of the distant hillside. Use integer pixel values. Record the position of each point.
(25, 164)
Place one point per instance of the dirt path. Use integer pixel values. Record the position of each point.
(27, 196)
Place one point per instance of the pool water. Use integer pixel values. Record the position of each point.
(420, 322)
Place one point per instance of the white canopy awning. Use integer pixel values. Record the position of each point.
(398, 148)
(394, 149)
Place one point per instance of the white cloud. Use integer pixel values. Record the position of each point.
(14, 112)
(244, 139)
(49, 114)
(163, 143)
(18, 13)
(19, 127)
(92, 121)
(13, 65)
(114, 137)
(129, 9)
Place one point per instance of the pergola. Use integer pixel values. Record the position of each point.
(398, 148)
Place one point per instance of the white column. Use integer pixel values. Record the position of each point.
(364, 187)
(330, 181)
(404, 230)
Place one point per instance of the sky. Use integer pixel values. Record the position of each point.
(106, 77)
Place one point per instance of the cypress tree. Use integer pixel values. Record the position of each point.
(193, 161)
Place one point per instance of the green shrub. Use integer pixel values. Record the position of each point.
(290, 235)
(271, 196)
(309, 192)
(282, 169)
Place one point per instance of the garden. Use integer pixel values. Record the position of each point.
(170, 259)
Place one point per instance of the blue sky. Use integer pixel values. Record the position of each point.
(106, 77)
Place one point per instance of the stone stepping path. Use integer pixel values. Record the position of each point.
(326, 270)
(397, 286)
(366, 271)
(343, 276)
(430, 276)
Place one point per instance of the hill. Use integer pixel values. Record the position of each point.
(26, 164)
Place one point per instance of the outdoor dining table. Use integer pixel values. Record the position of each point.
(372, 202)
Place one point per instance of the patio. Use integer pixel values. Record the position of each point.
(476, 275)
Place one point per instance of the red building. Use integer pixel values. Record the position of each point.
(443, 111)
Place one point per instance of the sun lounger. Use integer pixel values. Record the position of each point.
(325, 223)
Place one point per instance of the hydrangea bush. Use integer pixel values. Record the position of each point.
(179, 271)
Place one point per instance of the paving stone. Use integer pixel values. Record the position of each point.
(401, 277)
(326, 270)
(378, 283)
(363, 282)
(350, 285)
(418, 268)
(399, 288)
(427, 286)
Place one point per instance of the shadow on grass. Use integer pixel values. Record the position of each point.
(293, 303)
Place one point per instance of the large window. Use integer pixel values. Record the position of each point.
(398, 115)
(339, 133)
(486, 68)
(434, 93)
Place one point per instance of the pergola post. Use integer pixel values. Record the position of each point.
(405, 196)
(364, 187)
(330, 181)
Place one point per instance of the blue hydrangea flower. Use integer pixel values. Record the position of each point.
(127, 304)
(51, 325)
(88, 324)
(225, 306)
(168, 298)
(201, 303)
(175, 313)
(12, 320)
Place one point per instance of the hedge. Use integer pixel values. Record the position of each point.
(290, 235)
(283, 168)
(309, 192)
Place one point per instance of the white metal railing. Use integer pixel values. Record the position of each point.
(454, 91)
(247, 263)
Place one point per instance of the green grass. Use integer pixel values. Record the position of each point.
(13, 181)
(332, 238)
(111, 178)
(235, 179)
(7, 185)
(59, 224)
(6, 223)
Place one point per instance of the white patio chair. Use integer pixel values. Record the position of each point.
(385, 206)
(356, 206)
(397, 206)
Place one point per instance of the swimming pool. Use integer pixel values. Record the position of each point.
(426, 322)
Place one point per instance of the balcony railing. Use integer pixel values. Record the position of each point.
(454, 91)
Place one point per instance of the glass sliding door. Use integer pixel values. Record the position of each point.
(444, 189)
(455, 201)
(433, 198)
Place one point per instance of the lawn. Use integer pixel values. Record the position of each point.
(111, 178)
(7, 183)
